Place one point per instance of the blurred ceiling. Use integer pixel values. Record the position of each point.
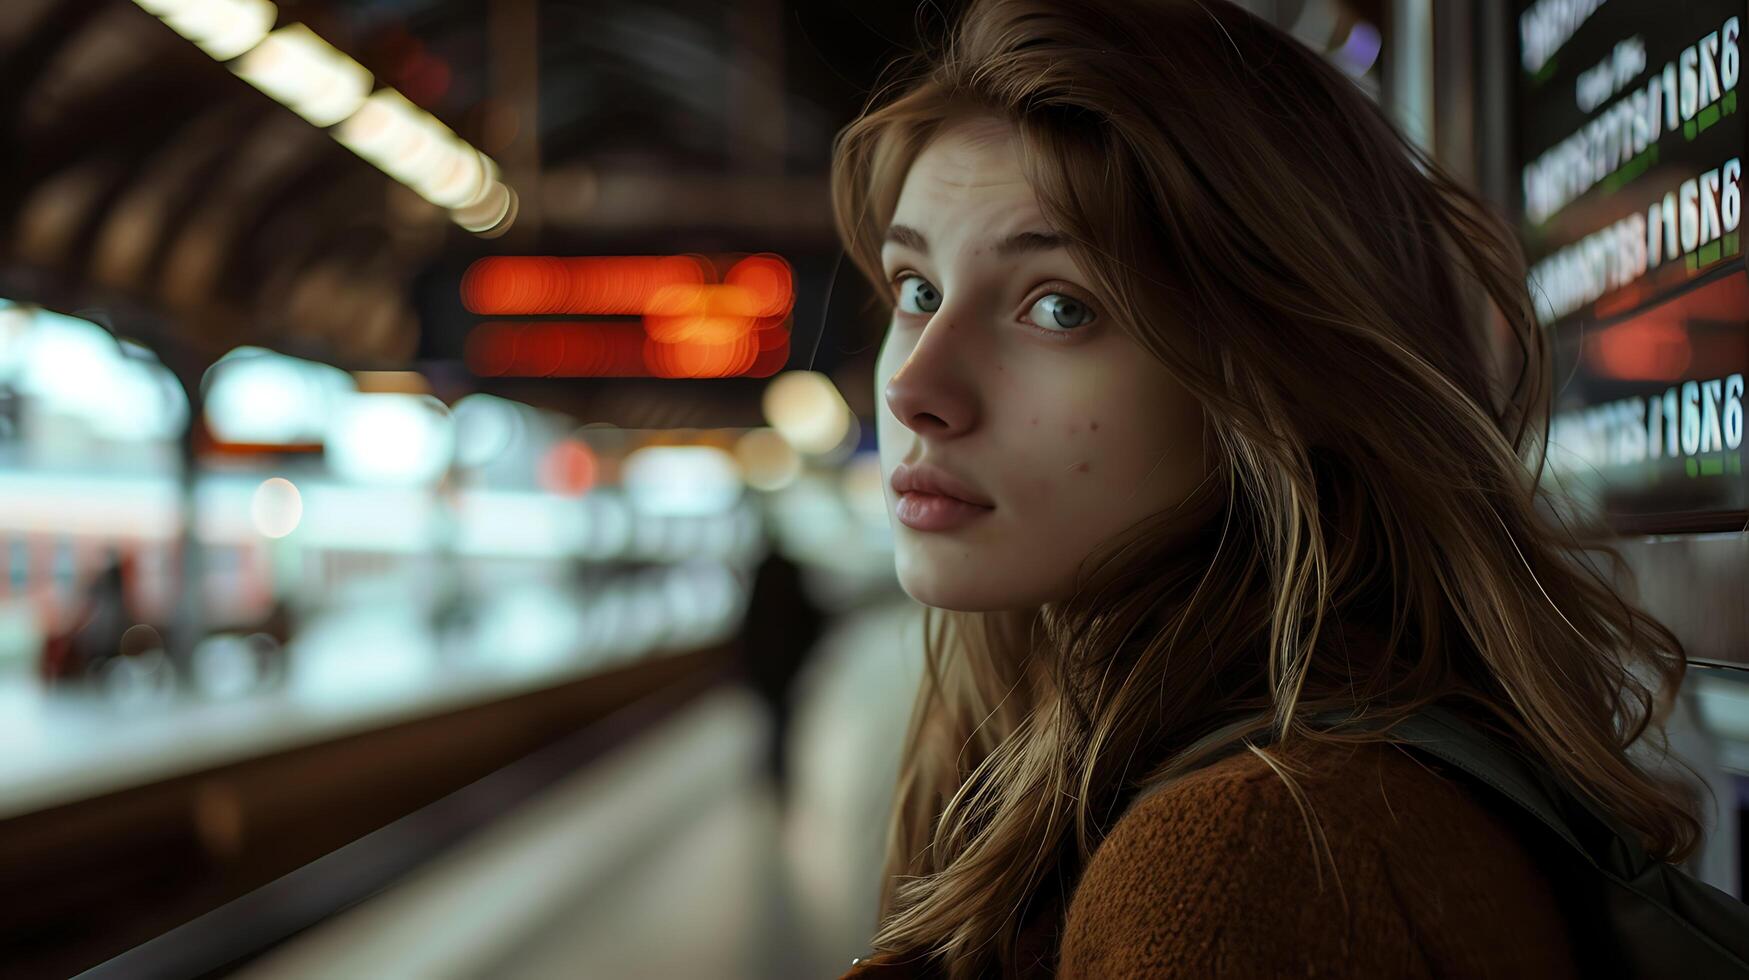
(148, 185)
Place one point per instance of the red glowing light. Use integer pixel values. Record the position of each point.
(569, 468)
(772, 359)
(604, 286)
(692, 327)
(491, 349)
(702, 314)
(556, 349)
(700, 360)
(1642, 350)
(769, 279)
(540, 349)
(613, 350)
(772, 332)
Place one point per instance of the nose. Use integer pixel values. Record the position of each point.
(934, 392)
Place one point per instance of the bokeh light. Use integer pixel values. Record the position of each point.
(768, 462)
(414, 147)
(486, 426)
(593, 286)
(769, 279)
(568, 468)
(864, 488)
(806, 408)
(258, 397)
(306, 74)
(276, 508)
(692, 327)
(681, 480)
(226, 666)
(77, 369)
(223, 29)
(390, 439)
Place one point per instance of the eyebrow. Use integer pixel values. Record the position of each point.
(1026, 241)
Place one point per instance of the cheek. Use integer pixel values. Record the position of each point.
(1151, 467)
(1062, 461)
(1108, 452)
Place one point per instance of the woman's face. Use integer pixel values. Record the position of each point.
(1045, 429)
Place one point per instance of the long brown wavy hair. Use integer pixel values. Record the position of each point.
(1375, 535)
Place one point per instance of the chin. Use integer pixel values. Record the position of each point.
(951, 600)
(965, 590)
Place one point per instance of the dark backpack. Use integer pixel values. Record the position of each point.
(1636, 916)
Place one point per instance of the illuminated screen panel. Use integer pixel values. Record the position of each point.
(1630, 149)
(1648, 426)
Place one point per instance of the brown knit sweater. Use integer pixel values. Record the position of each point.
(1216, 877)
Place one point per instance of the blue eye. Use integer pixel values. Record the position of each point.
(1055, 311)
(917, 296)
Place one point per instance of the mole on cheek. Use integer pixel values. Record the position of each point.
(1035, 421)
(1082, 467)
(1095, 425)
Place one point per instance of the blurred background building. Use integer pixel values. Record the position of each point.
(439, 529)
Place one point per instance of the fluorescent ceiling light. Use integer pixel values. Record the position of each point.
(327, 88)
(412, 146)
(310, 76)
(223, 29)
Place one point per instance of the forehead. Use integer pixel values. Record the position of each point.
(968, 183)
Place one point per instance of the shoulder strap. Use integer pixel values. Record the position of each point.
(1442, 734)
(1659, 916)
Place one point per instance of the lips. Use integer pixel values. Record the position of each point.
(909, 478)
(931, 499)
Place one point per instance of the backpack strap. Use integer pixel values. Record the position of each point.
(1440, 733)
(1659, 917)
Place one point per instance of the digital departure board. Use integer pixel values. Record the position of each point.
(1630, 153)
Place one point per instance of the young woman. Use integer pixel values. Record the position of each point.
(1191, 436)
